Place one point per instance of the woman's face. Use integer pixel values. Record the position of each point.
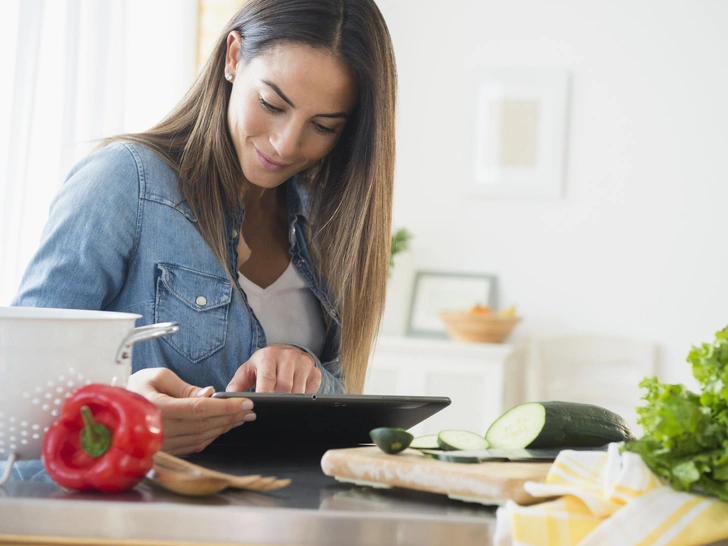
(288, 108)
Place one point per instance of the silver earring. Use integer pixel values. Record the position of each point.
(228, 76)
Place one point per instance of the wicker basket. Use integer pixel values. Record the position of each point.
(482, 328)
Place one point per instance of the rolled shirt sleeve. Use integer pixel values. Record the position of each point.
(331, 382)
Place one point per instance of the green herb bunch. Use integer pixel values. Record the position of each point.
(686, 434)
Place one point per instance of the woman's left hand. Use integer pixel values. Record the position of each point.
(277, 368)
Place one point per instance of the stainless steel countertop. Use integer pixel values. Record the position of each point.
(314, 509)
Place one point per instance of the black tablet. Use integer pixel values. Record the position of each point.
(326, 420)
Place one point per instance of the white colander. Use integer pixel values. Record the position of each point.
(45, 354)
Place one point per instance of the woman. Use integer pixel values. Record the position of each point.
(257, 215)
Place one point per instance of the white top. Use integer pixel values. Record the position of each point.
(287, 310)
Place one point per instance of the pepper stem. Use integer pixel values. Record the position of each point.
(95, 437)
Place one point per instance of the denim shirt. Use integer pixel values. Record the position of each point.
(121, 237)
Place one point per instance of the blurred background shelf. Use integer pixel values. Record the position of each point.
(481, 379)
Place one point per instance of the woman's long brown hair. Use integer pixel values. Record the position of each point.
(351, 189)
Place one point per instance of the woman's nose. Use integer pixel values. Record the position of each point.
(287, 140)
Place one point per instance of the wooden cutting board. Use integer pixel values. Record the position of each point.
(485, 483)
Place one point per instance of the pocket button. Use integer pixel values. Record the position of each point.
(201, 301)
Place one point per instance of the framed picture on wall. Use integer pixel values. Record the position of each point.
(433, 292)
(519, 133)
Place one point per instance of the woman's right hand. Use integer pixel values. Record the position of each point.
(191, 419)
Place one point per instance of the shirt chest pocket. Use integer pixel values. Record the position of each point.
(200, 303)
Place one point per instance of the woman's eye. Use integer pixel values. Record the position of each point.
(323, 130)
(269, 107)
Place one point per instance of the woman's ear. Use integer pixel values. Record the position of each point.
(232, 56)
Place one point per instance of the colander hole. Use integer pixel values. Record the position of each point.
(12, 439)
(23, 432)
(23, 423)
(61, 378)
(87, 382)
(24, 442)
(45, 429)
(13, 447)
(68, 394)
(35, 427)
(57, 401)
(69, 383)
(45, 407)
(71, 370)
(37, 389)
(35, 436)
(47, 395)
(59, 390)
(79, 376)
(49, 383)
(36, 401)
(12, 419)
(25, 394)
(2, 435)
(11, 429)
(55, 413)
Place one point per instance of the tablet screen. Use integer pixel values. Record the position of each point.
(326, 420)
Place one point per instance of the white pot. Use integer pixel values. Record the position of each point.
(45, 354)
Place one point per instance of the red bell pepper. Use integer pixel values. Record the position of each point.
(105, 439)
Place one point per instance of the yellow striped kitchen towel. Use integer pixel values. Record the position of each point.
(609, 498)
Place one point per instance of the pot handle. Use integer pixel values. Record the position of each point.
(9, 462)
(143, 333)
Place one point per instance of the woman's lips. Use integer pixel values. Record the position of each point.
(268, 163)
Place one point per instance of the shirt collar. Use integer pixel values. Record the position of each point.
(298, 199)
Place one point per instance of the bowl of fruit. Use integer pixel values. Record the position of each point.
(480, 324)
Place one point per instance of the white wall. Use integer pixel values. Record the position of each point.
(637, 246)
(161, 58)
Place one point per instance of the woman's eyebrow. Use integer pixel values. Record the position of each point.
(277, 89)
(282, 95)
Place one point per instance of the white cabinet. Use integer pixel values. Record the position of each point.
(481, 379)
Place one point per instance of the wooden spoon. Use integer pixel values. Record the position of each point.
(186, 478)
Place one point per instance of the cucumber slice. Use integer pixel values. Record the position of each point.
(391, 440)
(441, 455)
(461, 440)
(428, 441)
(557, 424)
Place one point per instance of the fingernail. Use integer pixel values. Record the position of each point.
(247, 405)
(205, 391)
(249, 417)
(229, 389)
